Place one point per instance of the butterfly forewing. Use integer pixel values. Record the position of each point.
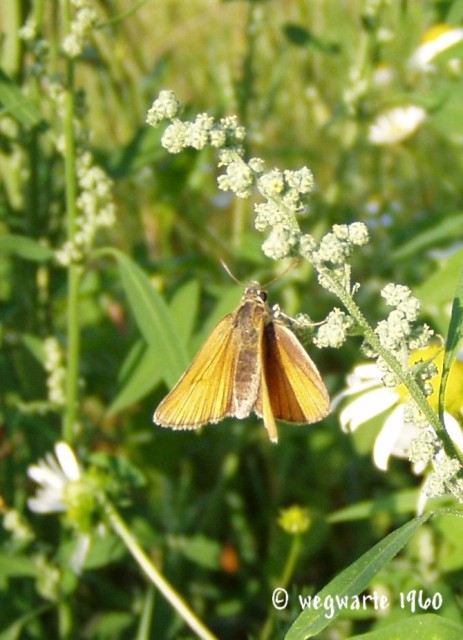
(204, 392)
(297, 392)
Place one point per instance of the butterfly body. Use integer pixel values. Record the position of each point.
(250, 362)
(248, 323)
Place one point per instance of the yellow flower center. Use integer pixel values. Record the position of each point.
(295, 520)
(434, 32)
(454, 390)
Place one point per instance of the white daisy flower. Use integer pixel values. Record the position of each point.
(396, 125)
(54, 475)
(383, 75)
(372, 398)
(437, 39)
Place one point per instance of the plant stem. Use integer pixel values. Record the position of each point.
(65, 619)
(11, 42)
(74, 271)
(288, 571)
(154, 575)
(404, 376)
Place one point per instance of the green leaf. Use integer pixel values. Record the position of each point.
(353, 580)
(448, 119)
(450, 534)
(400, 502)
(24, 247)
(201, 550)
(103, 551)
(152, 317)
(141, 372)
(428, 626)
(16, 104)
(441, 232)
(14, 566)
(35, 346)
(225, 305)
(13, 632)
(184, 309)
(436, 292)
(110, 625)
(454, 336)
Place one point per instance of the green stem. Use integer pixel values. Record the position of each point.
(143, 631)
(404, 376)
(154, 575)
(74, 271)
(73, 334)
(283, 582)
(291, 560)
(65, 619)
(11, 42)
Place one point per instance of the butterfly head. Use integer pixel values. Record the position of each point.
(255, 292)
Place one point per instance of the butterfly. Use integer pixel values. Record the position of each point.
(251, 362)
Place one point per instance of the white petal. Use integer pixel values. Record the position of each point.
(367, 371)
(408, 433)
(429, 50)
(40, 504)
(367, 406)
(396, 125)
(362, 378)
(422, 498)
(454, 430)
(354, 388)
(67, 460)
(387, 438)
(52, 463)
(45, 476)
(418, 468)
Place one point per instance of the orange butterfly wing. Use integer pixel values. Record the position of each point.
(204, 392)
(295, 388)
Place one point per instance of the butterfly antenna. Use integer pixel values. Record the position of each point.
(292, 266)
(227, 269)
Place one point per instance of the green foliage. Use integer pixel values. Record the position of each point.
(421, 627)
(129, 312)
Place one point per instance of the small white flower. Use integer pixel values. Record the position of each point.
(15, 523)
(383, 75)
(53, 475)
(396, 125)
(436, 40)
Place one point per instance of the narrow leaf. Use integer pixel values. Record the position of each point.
(140, 373)
(399, 502)
(226, 304)
(429, 238)
(428, 626)
(454, 336)
(24, 247)
(352, 581)
(15, 566)
(16, 104)
(15, 629)
(184, 309)
(153, 318)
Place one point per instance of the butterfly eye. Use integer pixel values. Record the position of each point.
(263, 295)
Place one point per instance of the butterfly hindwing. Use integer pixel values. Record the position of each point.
(297, 392)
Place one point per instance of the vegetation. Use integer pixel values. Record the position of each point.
(111, 279)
